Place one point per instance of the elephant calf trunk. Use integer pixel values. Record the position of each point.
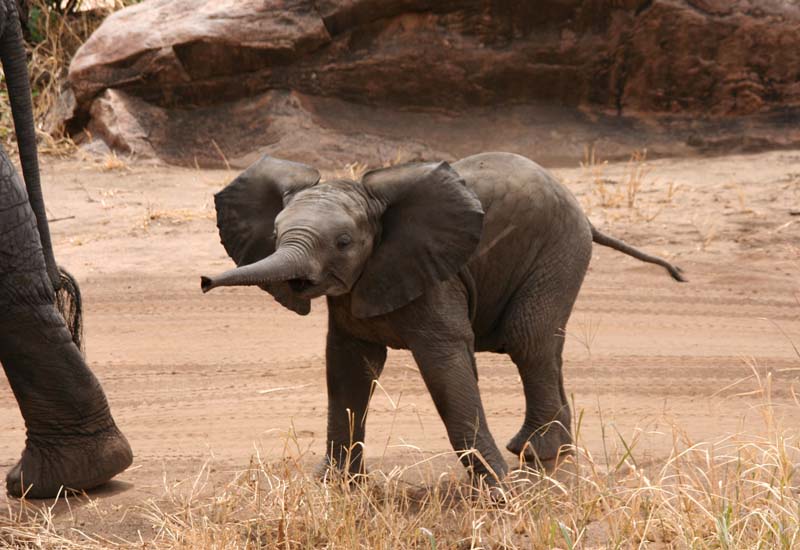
(206, 284)
(285, 264)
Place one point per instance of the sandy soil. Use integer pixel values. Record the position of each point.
(194, 378)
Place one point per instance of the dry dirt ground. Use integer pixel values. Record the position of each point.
(217, 378)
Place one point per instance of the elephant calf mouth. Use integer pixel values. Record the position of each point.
(300, 285)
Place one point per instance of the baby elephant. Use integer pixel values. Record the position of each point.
(486, 254)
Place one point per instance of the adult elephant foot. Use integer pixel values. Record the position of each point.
(76, 463)
(542, 445)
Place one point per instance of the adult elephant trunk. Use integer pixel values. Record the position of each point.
(283, 265)
(12, 53)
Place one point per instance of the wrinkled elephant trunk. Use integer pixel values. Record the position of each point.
(15, 66)
(283, 265)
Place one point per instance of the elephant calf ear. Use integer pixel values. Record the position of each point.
(246, 211)
(430, 228)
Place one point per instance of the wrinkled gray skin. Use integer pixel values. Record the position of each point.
(485, 255)
(72, 441)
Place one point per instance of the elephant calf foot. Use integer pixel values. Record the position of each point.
(75, 463)
(329, 469)
(542, 445)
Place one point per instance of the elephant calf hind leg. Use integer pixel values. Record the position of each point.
(533, 334)
(534, 338)
(546, 431)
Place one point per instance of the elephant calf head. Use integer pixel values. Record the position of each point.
(383, 239)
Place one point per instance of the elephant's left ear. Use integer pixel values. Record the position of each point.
(246, 211)
(430, 227)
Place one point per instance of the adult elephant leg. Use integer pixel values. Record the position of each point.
(352, 367)
(533, 335)
(72, 440)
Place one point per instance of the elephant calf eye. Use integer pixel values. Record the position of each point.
(343, 241)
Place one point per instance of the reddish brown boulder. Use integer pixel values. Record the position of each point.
(183, 63)
(194, 51)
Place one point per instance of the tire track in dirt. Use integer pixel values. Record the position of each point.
(652, 350)
(184, 378)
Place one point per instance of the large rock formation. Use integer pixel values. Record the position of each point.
(199, 80)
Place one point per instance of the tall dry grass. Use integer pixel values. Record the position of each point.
(624, 194)
(737, 492)
(53, 38)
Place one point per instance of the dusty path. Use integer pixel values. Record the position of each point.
(193, 378)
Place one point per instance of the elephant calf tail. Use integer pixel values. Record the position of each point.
(616, 244)
(70, 305)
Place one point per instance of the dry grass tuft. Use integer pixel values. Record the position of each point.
(112, 162)
(706, 231)
(626, 190)
(638, 170)
(355, 170)
(54, 39)
(603, 187)
(30, 527)
(738, 492)
(175, 216)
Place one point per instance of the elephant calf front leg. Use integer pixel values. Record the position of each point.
(352, 367)
(450, 375)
